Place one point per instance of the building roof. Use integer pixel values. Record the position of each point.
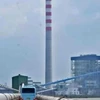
(86, 57)
(19, 75)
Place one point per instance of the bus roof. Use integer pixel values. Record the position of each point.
(28, 86)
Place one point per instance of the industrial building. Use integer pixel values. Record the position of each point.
(84, 64)
(67, 89)
(18, 80)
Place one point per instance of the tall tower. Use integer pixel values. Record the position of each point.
(48, 64)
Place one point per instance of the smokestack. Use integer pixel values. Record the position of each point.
(48, 65)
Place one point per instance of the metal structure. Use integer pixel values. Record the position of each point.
(4, 88)
(81, 90)
(48, 65)
(72, 78)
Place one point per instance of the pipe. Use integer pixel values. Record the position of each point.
(41, 97)
(9, 96)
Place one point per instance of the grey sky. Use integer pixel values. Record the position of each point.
(22, 36)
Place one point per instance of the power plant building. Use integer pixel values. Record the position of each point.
(85, 64)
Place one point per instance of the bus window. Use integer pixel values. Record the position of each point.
(28, 90)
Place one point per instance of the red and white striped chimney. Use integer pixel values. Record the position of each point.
(48, 65)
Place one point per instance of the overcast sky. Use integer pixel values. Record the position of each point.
(76, 30)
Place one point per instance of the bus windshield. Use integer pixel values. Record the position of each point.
(28, 90)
